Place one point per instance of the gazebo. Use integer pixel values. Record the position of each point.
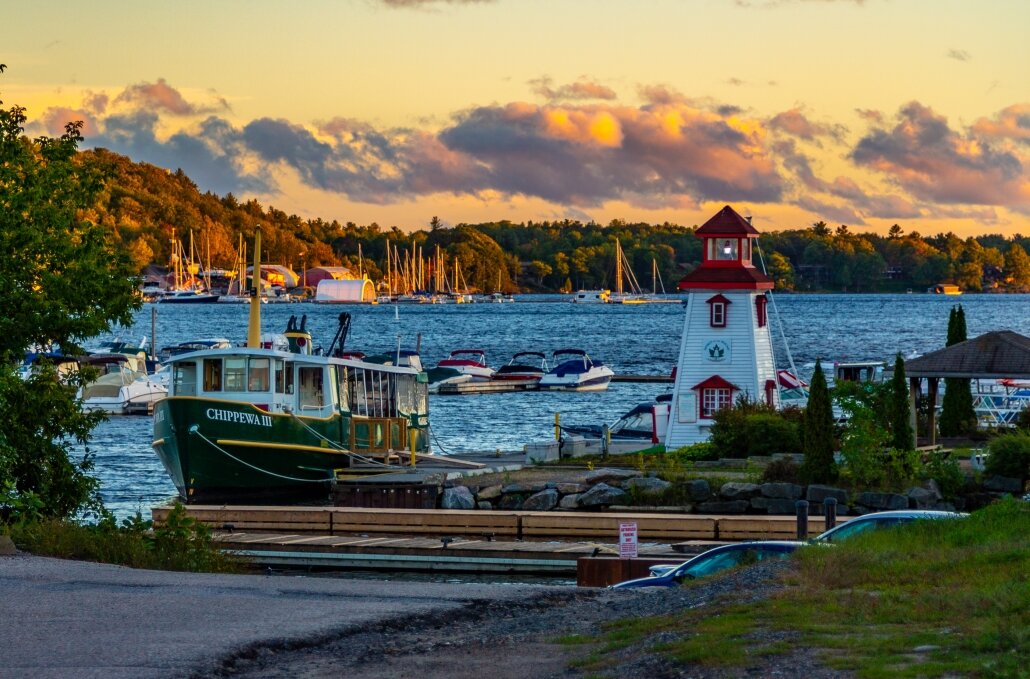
(999, 354)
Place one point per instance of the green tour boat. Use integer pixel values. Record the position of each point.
(275, 422)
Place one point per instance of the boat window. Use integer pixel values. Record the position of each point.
(185, 380)
(257, 374)
(311, 388)
(235, 374)
(212, 374)
(280, 377)
(343, 386)
(406, 401)
(334, 387)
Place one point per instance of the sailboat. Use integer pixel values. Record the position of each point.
(185, 289)
(623, 272)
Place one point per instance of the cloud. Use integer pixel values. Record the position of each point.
(924, 156)
(54, 119)
(795, 122)
(160, 96)
(1012, 123)
(958, 55)
(580, 90)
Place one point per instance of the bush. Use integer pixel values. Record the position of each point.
(752, 428)
(946, 472)
(770, 434)
(782, 470)
(1009, 456)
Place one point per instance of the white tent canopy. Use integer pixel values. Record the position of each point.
(345, 292)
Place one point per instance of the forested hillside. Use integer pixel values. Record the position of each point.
(143, 204)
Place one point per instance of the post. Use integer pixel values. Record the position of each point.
(412, 436)
(913, 394)
(557, 426)
(153, 333)
(802, 509)
(606, 441)
(829, 513)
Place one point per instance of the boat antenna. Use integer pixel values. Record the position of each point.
(779, 320)
(254, 327)
(336, 346)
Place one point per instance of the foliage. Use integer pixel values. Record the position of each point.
(902, 436)
(782, 470)
(818, 466)
(958, 417)
(770, 434)
(1009, 455)
(180, 544)
(945, 470)
(867, 459)
(752, 428)
(63, 279)
(696, 451)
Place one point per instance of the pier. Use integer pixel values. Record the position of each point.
(501, 386)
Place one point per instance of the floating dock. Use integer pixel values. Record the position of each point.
(503, 386)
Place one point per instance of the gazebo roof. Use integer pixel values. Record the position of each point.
(995, 355)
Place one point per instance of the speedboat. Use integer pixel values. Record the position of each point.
(470, 362)
(574, 370)
(187, 297)
(521, 369)
(644, 422)
(124, 387)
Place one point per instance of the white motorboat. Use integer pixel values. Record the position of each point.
(574, 370)
(470, 362)
(592, 297)
(524, 367)
(124, 387)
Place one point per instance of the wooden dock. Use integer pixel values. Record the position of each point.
(506, 387)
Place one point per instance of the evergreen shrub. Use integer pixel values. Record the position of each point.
(782, 470)
(769, 434)
(1009, 456)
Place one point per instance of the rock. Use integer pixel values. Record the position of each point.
(647, 485)
(774, 505)
(818, 494)
(489, 493)
(921, 498)
(526, 488)
(543, 501)
(512, 501)
(570, 501)
(699, 490)
(484, 504)
(882, 501)
(724, 507)
(458, 497)
(571, 488)
(1003, 484)
(602, 495)
(609, 475)
(7, 547)
(782, 491)
(932, 486)
(735, 490)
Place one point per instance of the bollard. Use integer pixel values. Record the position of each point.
(557, 426)
(412, 442)
(829, 513)
(802, 509)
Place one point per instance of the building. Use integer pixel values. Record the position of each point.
(726, 346)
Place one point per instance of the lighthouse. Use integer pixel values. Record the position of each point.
(726, 347)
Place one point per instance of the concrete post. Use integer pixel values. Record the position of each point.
(802, 509)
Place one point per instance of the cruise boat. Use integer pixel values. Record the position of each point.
(574, 370)
(524, 367)
(470, 362)
(260, 423)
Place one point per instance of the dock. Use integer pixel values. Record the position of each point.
(503, 387)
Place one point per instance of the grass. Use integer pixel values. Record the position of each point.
(180, 544)
(929, 599)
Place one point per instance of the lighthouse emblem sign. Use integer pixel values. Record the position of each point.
(717, 351)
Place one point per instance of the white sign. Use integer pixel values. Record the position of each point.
(717, 351)
(686, 409)
(627, 540)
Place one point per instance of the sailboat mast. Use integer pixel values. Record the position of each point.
(618, 267)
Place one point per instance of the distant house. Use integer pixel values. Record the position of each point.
(315, 275)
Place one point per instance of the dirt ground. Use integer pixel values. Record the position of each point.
(520, 641)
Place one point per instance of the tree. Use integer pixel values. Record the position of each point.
(958, 416)
(1017, 268)
(818, 466)
(899, 411)
(63, 280)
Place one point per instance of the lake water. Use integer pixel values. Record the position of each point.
(632, 339)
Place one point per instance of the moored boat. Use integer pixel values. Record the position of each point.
(524, 367)
(574, 370)
(471, 362)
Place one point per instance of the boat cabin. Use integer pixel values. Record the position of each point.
(859, 371)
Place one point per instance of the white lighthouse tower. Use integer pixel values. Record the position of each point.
(726, 348)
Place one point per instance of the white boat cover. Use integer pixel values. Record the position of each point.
(347, 291)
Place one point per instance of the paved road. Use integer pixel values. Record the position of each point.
(76, 619)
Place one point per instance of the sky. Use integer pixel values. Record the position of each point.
(867, 113)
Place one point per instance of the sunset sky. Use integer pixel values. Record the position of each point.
(865, 113)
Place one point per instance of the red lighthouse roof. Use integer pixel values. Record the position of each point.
(726, 222)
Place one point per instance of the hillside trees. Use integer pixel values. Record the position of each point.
(63, 279)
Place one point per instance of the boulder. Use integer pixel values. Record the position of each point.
(7, 547)
(782, 491)
(882, 501)
(723, 507)
(484, 504)
(527, 488)
(610, 475)
(570, 501)
(489, 493)
(818, 494)
(602, 495)
(458, 497)
(571, 488)
(511, 501)
(735, 490)
(774, 505)
(1003, 484)
(543, 501)
(646, 485)
(921, 498)
(699, 490)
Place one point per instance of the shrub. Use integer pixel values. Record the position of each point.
(769, 434)
(752, 428)
(782, 470)
(1009, 456)
(946, 472)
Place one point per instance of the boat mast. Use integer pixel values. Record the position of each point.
(254, 326)
(618, 267)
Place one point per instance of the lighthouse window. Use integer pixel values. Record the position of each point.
(760, 310)
(715, 399)
(726, 249)
(718, 316)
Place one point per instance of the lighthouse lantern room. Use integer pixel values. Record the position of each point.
(726, 347)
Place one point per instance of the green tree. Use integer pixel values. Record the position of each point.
(899, 409)
(818, 466)
(1017, 268)
(958, 417)
(63, 280)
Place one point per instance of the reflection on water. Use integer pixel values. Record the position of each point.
(633, 339)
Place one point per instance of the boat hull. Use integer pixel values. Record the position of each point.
(230, 452)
